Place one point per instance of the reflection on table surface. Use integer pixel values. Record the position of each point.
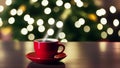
(79, 55)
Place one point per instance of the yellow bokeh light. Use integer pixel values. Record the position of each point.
(6, 30)
(110, 31)
(31, 36)
(86, 28)
(104, 35)
(22, 7)
(1, 23)
(92, 17)
(100, 26)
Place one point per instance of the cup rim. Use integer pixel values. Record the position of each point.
(48, 39)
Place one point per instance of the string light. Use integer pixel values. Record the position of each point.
(8, 2)
(112, 9)
(115, 22)
(41, 28)
(110, 31)
(24, 31)
(40, 22)
(44, 2)
(59, 24)
(30, 27)
(11, 20)
(103, 21)
(59, 2)
(51, 21)
(100, 26)
(13, 12)
(47, 10)
(1, 23)
(1, 8)
(86, 28)
(50, 32)
(67, 5)
(61, 35)
(31, 36)
(104, 35)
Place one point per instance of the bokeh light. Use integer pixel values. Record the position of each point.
(1, 8)
(119, 33)
(79, 3)
(47, 10)
(99, 26)
(101, 12)
(30, 27)
(19, 12)
(13, 12)
(27, 17)
(40, 22)
(59, 24)
(33, 1)
(61, 35)
(82, 21)
(64, 40)
(103, 21)
(8, 2)
(51, 21)
(31, 36)
(67, 5)
(112, 9)
(50, 32)
(86, 28)
(1, 23)
(24, 31)
(110, 31)
(104, 35)
(59, 2)
(31, 21)
(77, 24)
(11, 20)
(41, 28)
(116, 22)
(44, 2)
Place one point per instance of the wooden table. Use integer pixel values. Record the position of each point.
(79, 55)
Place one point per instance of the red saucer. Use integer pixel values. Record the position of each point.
(32, 56)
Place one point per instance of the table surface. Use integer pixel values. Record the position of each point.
(79, 55)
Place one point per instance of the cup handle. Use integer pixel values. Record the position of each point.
(63, 48)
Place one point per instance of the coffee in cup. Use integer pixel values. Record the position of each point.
(48, 48)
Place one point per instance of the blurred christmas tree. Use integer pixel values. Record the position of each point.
(72, 20)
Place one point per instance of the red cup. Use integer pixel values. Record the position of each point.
(48, 48)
